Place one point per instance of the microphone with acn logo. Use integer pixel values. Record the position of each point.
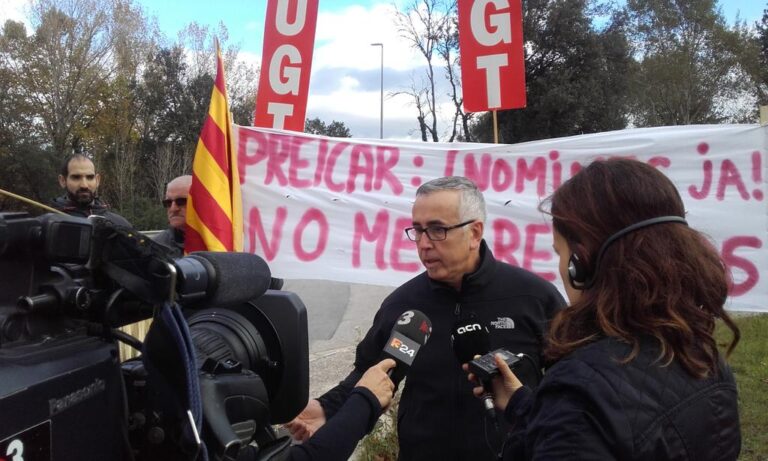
(468, 339)
(411, 331)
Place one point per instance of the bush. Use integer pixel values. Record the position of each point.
(144, 214)
(381, 443)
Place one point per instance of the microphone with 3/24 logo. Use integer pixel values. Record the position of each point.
(411, 331)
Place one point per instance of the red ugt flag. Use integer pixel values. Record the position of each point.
(492, 61)
(289, 40)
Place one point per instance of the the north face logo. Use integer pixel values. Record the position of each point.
(503, 323)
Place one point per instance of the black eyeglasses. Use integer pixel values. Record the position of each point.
(180, 202)
(434, 233)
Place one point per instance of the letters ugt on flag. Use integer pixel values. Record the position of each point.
(492, 61)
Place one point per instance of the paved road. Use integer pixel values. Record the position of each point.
(338, 315)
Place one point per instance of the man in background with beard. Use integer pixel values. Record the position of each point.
(79, 180)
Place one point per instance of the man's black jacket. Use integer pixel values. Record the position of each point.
(439, 418)
(63, 203)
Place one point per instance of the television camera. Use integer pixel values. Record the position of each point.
(225, 358)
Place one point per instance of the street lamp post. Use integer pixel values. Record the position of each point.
(381, 103)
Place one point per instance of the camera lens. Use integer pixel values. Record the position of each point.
(224, 334)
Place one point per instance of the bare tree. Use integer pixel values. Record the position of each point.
(124, 168)
(166, 164)
(447, 48)
(419, 99)
(423, 23)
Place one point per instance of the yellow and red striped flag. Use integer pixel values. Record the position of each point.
(214, 206)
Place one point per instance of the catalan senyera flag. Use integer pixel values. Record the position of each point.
(214, 205)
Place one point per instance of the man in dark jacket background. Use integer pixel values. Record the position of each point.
(80, 182)
(438, 417)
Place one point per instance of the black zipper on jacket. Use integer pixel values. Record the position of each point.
(454, 404)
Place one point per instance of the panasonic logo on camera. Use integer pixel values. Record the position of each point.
(58, 405)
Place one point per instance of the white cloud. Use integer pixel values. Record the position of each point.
(345, 82)
(15, 10)
(252, 59)
(344, 38)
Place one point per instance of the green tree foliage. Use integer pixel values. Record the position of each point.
(69, 63)
(70, 75)
(22, 157)
(760, 71)
(576, 75)
(167, 101)
(744, 85)
(687, 61)
(96, 76)
(198, 41)
(334, 129)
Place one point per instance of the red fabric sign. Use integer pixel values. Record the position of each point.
(492, 62)
(289, 39)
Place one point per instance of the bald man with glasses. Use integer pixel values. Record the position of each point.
(438, 416)
(175, 203)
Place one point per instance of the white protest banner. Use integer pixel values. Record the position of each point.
(335, 209)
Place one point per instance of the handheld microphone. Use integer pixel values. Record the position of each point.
(221, 279)
(468, 339)
(410, 332)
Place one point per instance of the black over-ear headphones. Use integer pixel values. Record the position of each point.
(578, 275)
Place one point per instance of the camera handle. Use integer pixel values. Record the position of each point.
(229, 395)
(191, 420)
(172, 285)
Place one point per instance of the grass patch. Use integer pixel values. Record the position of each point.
(749, 363)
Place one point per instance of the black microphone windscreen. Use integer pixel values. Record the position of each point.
(415, 325)
(237, 277)
(469, 338)
(410, 332)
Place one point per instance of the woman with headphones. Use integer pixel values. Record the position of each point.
(635, 372)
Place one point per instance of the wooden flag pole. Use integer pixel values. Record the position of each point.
(495, 128)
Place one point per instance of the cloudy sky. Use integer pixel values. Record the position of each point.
(345, 80)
